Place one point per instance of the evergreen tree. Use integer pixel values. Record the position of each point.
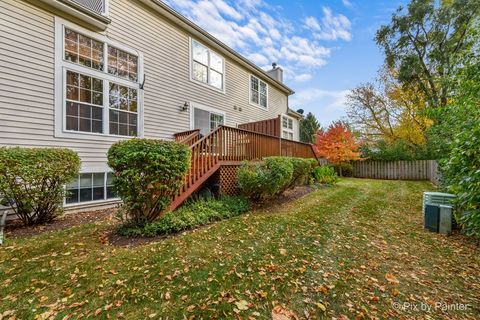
(308, 128)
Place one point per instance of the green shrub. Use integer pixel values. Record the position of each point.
(263, 180)
(302, 171)
(192, 214)
(461, 173)
(148, 174)
(325, 175)
(32, 181)
(344, 169)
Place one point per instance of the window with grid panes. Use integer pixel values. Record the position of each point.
(93, 103)
(258, 92)
(207, 66)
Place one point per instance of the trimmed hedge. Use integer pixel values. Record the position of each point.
(263, 180)
(32, 180)
(325, 175)
(148, 174)
(196, 213)
(274, 175)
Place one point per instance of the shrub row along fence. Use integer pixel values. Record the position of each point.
(398, 170)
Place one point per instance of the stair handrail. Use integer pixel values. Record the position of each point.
(191, 138)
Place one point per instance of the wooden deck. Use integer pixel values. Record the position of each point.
(230, 146)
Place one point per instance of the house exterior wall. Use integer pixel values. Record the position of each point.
(27, 79)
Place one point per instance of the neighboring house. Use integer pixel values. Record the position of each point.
(83, 74)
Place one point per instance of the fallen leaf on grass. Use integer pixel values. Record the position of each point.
(391, 278)
(321, 306)
(395, 292)
(242, 305)
(282, 313)
(283, 252)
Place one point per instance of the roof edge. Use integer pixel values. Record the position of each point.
(187, 24)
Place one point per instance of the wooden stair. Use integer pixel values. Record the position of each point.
(227, 146)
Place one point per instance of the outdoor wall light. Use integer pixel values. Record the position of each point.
(185, 106)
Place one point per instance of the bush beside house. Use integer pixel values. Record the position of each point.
(32, 181)
(266, 179)
(148, 174)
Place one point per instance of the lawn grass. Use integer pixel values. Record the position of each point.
(352, 250)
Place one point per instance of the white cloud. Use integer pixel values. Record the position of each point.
(227, 10)
(257, 58)
(303, 77)
(347, 3)
(312, 23)
(331, 26)
(303, 52)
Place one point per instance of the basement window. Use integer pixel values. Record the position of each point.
(88, 187)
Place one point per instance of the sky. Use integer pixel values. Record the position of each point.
(325, 47)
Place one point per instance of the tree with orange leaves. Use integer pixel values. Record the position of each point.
(337, 144)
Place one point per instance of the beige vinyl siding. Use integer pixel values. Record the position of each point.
(27, 83)
(27, 79)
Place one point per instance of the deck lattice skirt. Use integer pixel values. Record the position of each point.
(228, 179)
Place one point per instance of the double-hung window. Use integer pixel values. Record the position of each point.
(287, 128)
(258, 92)
(207, 66)
(99, 82)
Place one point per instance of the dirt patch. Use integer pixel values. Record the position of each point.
(122, 241)
(14, 229)
(287, 196)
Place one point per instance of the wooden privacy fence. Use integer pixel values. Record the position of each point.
(269, 127)
(397, 170)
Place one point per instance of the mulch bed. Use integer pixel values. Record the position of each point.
(15, 229)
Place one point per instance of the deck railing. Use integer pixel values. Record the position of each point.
(188, 137)
(232, 145)
(270, 126)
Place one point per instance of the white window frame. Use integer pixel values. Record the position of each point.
(250, 92)
(287, 129)
(190, 58)
(61, 67)
(86, 203)
(105, 11)
(194, 105)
